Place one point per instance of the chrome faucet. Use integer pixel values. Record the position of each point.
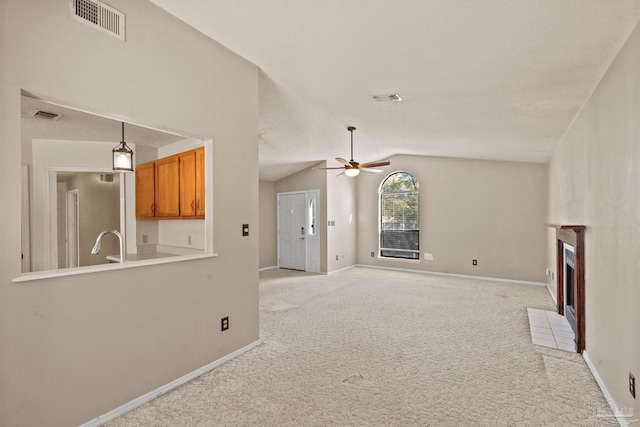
(96, 247)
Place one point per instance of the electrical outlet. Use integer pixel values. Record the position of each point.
(373, 254)
(224, 323)
(145, 238)
(188, 240)
(475, 262)
(337, 258)
(632, 385)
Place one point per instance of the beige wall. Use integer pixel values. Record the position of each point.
(72, 348)
(593, 181)
(309, 179)
(341, 208)
(268, 224)
(469, 209)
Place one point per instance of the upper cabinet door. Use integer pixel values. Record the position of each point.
(188, 184)
(167, 187)
(192, 183)
(145, 189)
(200, 182)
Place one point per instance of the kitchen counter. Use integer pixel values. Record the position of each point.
(140, 256)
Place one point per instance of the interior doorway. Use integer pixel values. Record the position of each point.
(298, 231)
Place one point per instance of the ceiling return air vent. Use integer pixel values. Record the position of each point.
(100, 16)
(393, 97)
(47, 115)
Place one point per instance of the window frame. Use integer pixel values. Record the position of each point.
(381, 250)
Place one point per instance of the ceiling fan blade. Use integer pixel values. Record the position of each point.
(370, 170)
(325, 169)
(375, 164)
(343, 161)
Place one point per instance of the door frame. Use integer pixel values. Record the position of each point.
(73, 233)
(312, 241)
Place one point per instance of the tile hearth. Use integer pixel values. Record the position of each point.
(550, 329)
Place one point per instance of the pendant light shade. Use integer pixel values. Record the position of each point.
(122, 156)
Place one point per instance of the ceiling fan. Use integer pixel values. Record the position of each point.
(353, 168)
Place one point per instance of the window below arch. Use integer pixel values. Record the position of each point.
(399, 217)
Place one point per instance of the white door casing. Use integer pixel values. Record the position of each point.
(72, 229)
(312, 200)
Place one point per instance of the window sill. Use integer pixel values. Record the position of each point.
(47, 274)
(403, 260)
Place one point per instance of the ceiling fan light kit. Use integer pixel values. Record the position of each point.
(353, 168)
(352, 172)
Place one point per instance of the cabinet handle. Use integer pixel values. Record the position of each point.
(198, 204)
(153, 208)
(193, 205)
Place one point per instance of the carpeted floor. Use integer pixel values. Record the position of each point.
(370, 347)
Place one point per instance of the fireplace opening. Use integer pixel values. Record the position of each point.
(569, 280)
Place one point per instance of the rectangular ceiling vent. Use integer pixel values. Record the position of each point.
(394, 97)
(47, 115)
(99, 16)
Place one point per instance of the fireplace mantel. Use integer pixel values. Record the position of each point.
(574, 236)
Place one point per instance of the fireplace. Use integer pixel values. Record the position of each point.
(569, 285)
(570, 278)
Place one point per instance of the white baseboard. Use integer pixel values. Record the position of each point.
(553, 297)
(615, 408)
(349, 267)
(437, 273)
(273, 267)
(121, 410)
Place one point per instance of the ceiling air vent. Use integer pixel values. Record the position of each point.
(394, 97)
(47, 115)
(99, 16)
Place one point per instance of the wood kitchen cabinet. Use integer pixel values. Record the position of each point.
(192, 183)
(145, 191)
(167, 187)
(171, 187)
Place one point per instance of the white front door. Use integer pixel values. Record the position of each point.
(292, 231)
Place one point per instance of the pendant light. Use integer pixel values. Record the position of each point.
(122, 156)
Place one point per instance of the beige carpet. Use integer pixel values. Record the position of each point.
(369, 347)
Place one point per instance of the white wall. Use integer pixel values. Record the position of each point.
(490, 211)
(594, 177)
(72, 348)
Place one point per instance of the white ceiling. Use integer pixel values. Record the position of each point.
(488, 79)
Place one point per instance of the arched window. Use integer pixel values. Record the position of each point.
(399, 218)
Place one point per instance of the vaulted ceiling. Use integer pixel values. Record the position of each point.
(487, 79)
